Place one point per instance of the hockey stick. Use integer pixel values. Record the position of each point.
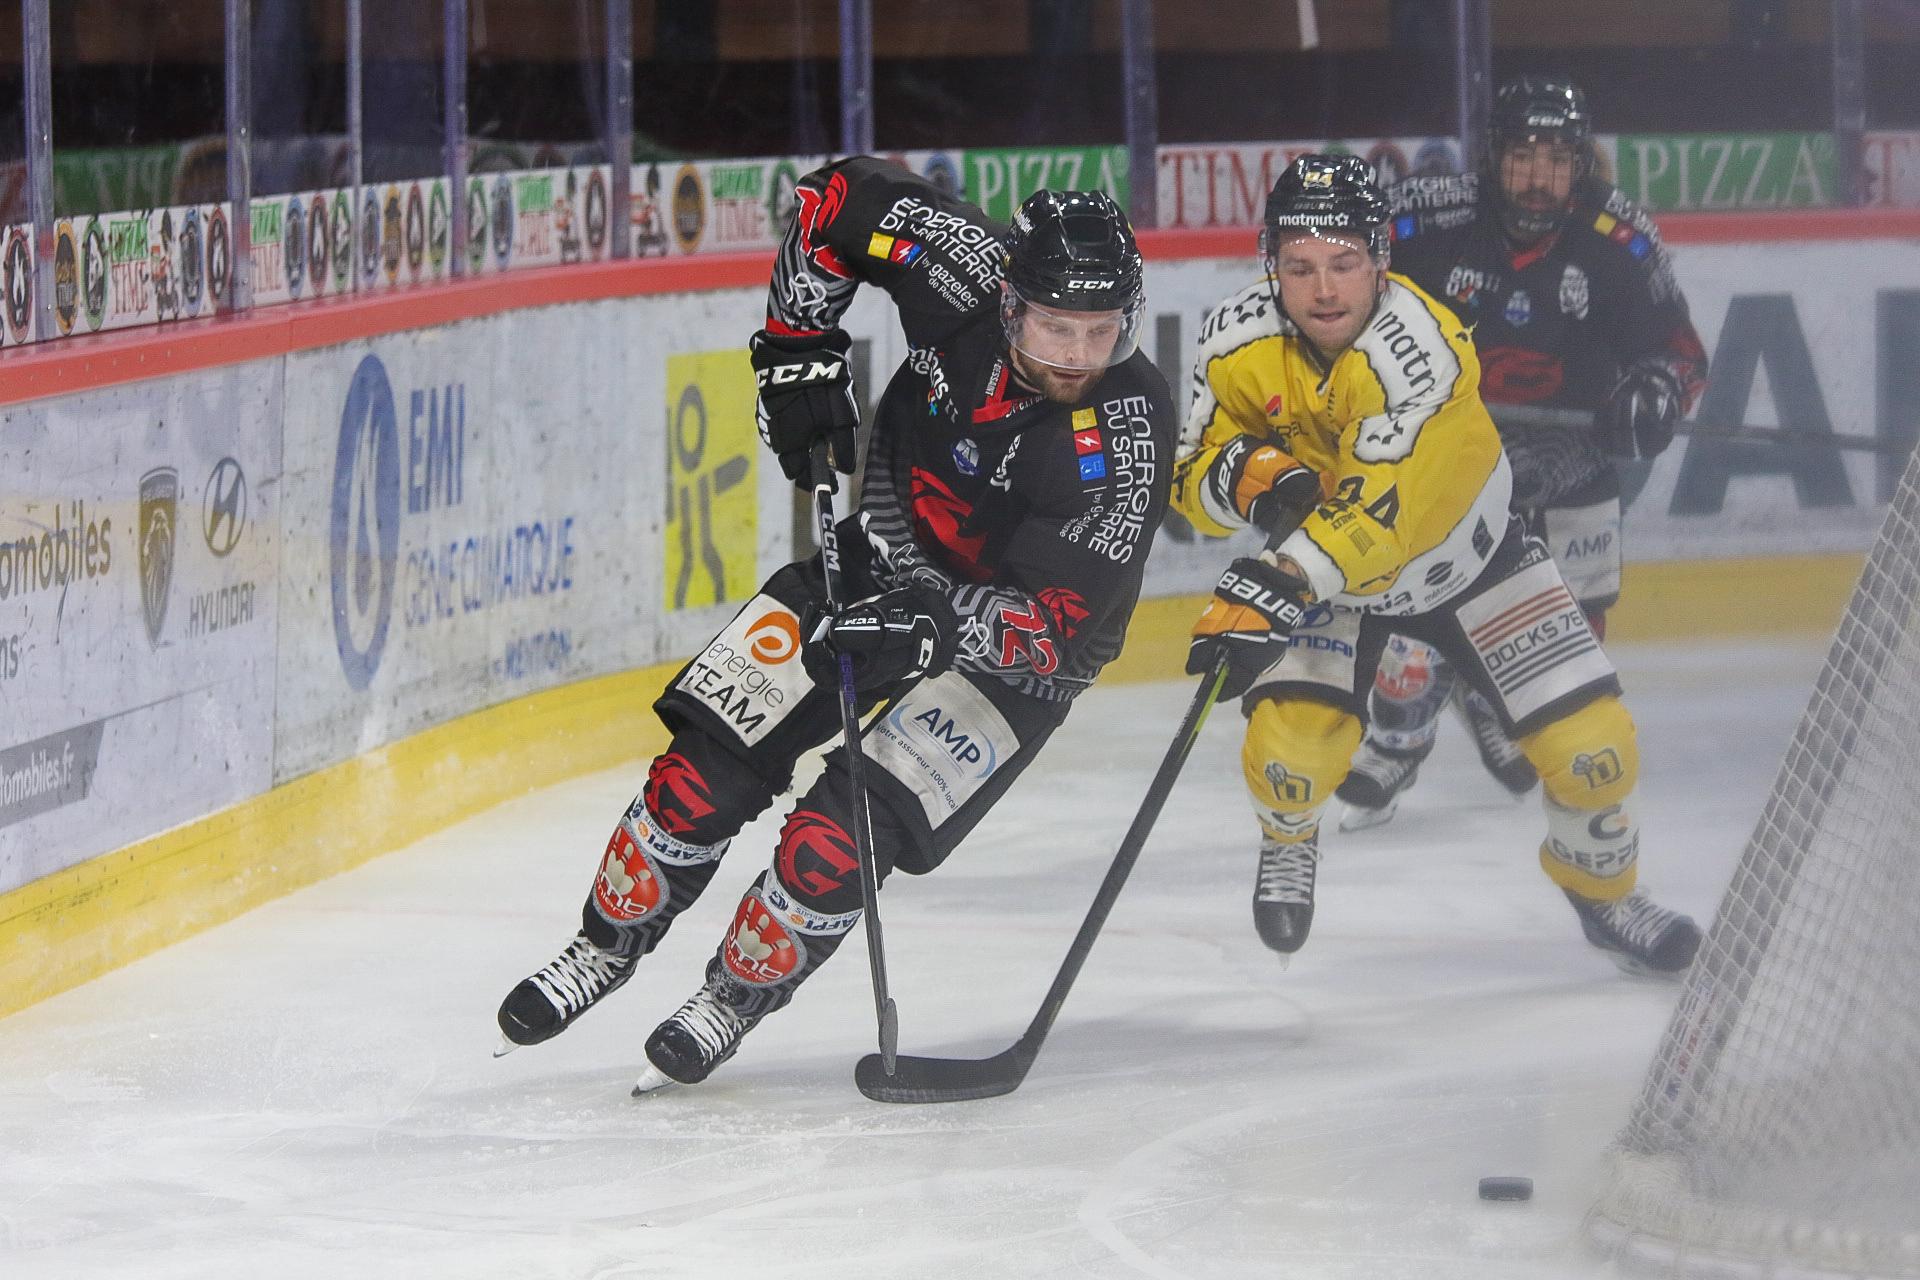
(915, 1079)
(884, 1010)
(1527, 415)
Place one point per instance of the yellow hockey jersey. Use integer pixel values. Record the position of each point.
(1416, 483)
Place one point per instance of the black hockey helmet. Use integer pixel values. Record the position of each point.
(1073, 251)
(1321, 193)
(1537, 109)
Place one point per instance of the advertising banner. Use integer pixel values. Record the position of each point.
(537, 218)
(139, 540)
(713, 502)
(1719, 171)
(1892, 162)
(1225, 184)
(146, 267)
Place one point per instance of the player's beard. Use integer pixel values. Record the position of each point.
(1062, 386)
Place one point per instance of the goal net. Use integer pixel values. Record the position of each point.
(1778, 1133)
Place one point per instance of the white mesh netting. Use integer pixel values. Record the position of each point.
(1778, 1132)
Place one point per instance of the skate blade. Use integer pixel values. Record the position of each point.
(1355, 818)
(1643, 971)
(505, 1047)
(652, 1080)
(1285, 959)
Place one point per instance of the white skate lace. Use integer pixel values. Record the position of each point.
(713, 1026)
(1494, 742)
(1638, 920)
(1286, 872)
(1389, 771)
(579, 975)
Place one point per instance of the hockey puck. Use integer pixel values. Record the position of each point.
(1506, 1188)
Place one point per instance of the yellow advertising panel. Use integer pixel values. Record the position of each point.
(712, 508)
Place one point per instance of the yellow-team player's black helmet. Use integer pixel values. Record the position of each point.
(1322, 193)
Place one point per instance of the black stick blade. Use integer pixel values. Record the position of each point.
(941, 1079)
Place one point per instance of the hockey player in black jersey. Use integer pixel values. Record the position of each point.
(1019, 463)
(1574, 309)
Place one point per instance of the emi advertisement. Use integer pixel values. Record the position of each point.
(461, 529)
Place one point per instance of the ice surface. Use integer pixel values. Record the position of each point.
(308, 1091)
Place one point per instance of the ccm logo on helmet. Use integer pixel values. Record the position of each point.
(785, 374)
(1088, 284)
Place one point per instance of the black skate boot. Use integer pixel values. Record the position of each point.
(587, 972)
(701, 1034)
(1641, 936)
(1372, 788)
(1283, 893)
(1499, 753)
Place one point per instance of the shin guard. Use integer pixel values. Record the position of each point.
(1589, 762)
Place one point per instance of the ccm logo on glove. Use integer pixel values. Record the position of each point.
(793, 375)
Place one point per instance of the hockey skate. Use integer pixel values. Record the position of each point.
(1372, 789)
(544, 1005)
(701, 1034)
(1283, 894)
(1642, 937)
(1499, 753)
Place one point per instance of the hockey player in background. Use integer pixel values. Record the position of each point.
(1573, 306)
(1018, 465)
(1331, 363)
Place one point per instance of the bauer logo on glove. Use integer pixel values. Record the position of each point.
(1248, 623)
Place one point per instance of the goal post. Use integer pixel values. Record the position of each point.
(1777, 1135)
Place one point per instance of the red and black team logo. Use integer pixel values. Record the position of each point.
(943, 515)
(676, 795)
(629, 887)
(759, 949)
(1515, 375)
(817, 212)
(815, 853)
(1068, 607)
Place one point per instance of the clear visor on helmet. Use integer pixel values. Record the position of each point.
(1078, 341)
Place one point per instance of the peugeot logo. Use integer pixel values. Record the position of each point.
(223, 508)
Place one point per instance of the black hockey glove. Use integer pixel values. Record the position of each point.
(894, 638)
(1638, 419)
(806, 394)
(1249, 621)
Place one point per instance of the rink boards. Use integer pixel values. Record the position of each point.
(261, 620)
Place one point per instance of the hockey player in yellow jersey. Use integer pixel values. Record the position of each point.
(1333, 364)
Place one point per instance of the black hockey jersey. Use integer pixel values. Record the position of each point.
(1035, 518)
(1558, 322)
